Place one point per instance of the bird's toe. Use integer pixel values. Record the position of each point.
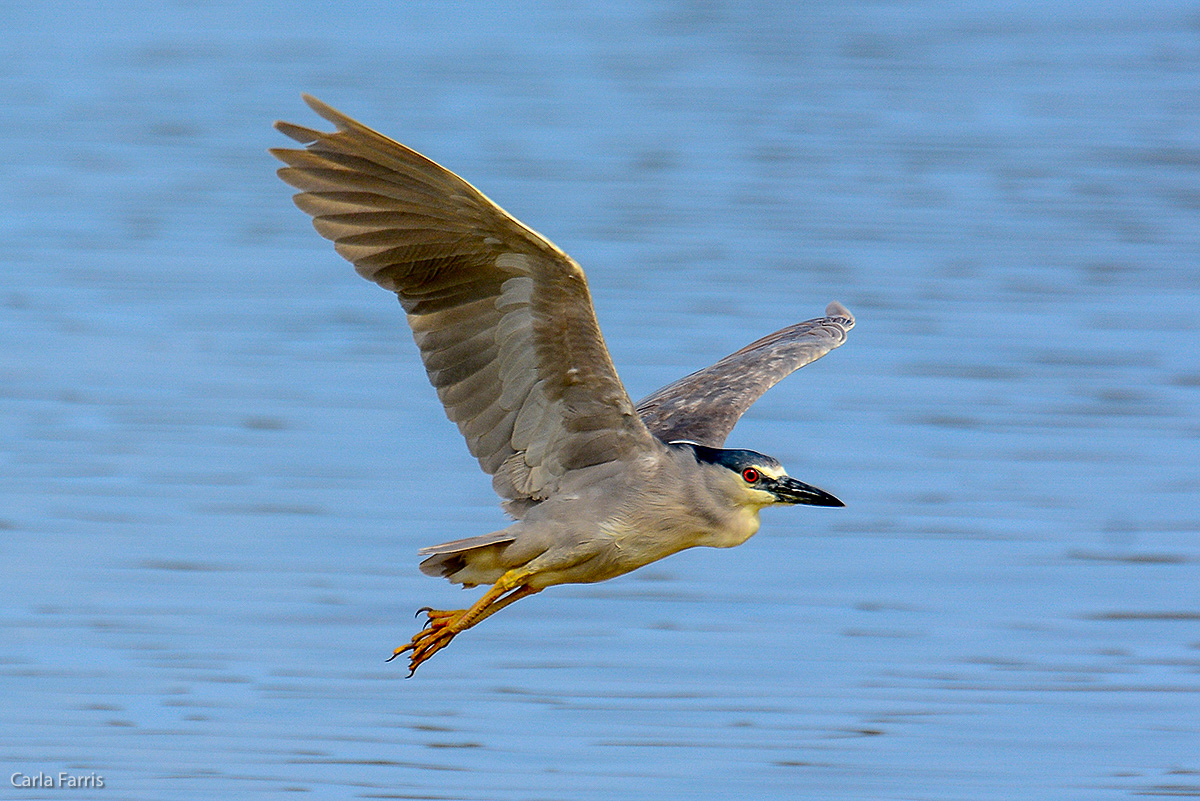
(434, 635)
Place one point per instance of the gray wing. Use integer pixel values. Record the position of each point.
(502, 317)
(704, 406)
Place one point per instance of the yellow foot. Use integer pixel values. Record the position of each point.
(435, 635)
(440, 627)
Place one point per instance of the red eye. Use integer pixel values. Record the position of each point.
(750, 474)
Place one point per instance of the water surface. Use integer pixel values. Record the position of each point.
(219, 453)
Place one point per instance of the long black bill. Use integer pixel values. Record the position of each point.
(789, 490)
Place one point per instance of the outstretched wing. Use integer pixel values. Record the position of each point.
(502, 317)
(704, 406)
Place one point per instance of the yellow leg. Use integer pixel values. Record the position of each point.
(441, 626)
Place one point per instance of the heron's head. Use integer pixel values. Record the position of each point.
(758, 479)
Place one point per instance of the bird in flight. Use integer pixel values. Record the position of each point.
(597, 485)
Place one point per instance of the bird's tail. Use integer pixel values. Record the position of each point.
(470, 561)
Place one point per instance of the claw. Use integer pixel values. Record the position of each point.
(442, 626)
(435, 635)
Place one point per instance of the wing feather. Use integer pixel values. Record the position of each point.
(704, 406)
(503, 318)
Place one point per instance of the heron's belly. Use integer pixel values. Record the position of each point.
(623, 550)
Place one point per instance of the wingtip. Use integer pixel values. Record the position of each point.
(306, 135)
(328, 112)
(835, 309)
(313, 103)
(297, 132)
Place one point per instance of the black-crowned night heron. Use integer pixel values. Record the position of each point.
(597, 486)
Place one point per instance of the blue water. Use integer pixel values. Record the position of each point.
(218, 452)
